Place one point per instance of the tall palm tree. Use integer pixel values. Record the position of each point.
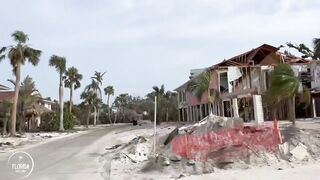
(94, 86)
(90, 98)
(72, 81)
(59, 63)
(18, 54)
(109, 91)
(201, 85)
(284, 87)
(98, 78)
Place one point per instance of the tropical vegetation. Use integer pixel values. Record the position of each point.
(18, 55)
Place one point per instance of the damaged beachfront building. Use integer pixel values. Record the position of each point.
(241, 83)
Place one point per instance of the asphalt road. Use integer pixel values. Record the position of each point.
(75, 157)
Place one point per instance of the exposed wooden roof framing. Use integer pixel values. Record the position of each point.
(248, 58)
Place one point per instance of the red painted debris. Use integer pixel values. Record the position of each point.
(224, 144)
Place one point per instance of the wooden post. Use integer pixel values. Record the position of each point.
(314, 110)
(155, 126)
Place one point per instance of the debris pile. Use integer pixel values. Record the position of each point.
(225, 139)
(135, 151)
(218, 143)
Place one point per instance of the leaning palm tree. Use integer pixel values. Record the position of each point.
(90, 98)
(313, 53)
(18, 54)
(201, 85)
(59, 63)
(72, 81)
(109, 91)
(284, 87)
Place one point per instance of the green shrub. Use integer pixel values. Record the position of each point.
(68, 120)
(50, 121)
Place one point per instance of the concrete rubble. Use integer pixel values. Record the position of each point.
(299, 146)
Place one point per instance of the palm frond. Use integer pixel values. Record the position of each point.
(20, 37)
(284, 84)
(59, 63)
(316, 45)
(33, 55)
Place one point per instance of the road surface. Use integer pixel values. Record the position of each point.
(75, 157)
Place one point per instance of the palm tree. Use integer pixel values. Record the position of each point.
(94, 86)
(72, 81)
(5, 108)
(97, 78)
(90, 98)
(284, 87)
(28, 95)
(163, 97)
(59, 63)
(307, 52)
(201, 85)
(18, 55)
(109, 91)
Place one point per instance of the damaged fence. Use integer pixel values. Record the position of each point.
(226, 144)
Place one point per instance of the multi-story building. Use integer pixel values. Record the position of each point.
(241, 83)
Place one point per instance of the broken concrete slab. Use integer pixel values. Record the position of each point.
(299, 153)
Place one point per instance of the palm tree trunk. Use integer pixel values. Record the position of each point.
(61, 128)
(294, 110)
(167, 114)
(22, 119)
(292, 114)
(71, 102)
(115, 118)
(15, 101)
(88, 116)
(95, 116)
(109, 109)
(5, 122)
(98, 115)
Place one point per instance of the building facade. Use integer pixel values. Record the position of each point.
(241, 82)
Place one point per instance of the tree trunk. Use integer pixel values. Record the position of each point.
(15, 101)
(21, 119)
(88, 116)
(98, 115)
(115, 118)
(70, 101)
(5, 122)
(167, 114)
(294, 110)
(95, 116)
(61, 128)
(109, 109)
(292, 114)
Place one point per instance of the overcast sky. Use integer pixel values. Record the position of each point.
(142, 43)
